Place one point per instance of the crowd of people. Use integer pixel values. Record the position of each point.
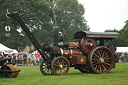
(123, 57)
(25, 59)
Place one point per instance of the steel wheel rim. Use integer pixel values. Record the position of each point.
(101, 60)
(45, 68)
(60, 66)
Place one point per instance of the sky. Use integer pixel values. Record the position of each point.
(105, 14)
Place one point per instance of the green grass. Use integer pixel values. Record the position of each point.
(31, 75)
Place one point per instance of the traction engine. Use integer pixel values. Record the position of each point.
(93, 51)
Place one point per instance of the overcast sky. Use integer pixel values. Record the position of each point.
(105, 14)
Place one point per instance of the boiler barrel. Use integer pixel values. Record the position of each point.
(71, 52)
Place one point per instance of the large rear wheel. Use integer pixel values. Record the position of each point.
(101, 60)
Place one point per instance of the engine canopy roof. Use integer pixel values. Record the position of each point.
(88, 34)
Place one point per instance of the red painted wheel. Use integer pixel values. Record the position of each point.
(60, 66)
(101, 60)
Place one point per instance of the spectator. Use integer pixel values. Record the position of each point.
(123, 57)
(25, 59)
(38, 57)
(29, 58)
(20, 56)
(14, 58)
(33, 59)
(127, 58)
(19, 61)
(120, 57)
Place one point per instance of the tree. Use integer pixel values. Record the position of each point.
(123, 40)
(5, 6)
(68, 15)
(35, 15)
(118, 40)
(124, 33)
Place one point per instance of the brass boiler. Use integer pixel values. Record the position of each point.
(72, 51)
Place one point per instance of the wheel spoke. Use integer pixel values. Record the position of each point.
(95, 64)
(106, 55)
(58, 61)
(103, 54)
(96, 67)
(47, 71)
(64, 69)
(62, 62)
(94, 59)
(99, 53)
(104, 67)
(107, 64)
(96, 55)
(100, 68)
(56, 65)
(60, 71)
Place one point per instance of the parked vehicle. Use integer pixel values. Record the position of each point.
(7, 69)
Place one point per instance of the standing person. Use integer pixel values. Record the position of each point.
(123, 57)
(38, 57)
(25, 59)
(20, 59)
(120, 57)
(14, 58)
(29, 58)
(33, 59)
(126, 56)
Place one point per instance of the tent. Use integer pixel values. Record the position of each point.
(35, 52)
(122, 49)
(7, 50)
(3, 47)
(15, 51)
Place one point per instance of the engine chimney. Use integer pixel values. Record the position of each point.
(55, 35)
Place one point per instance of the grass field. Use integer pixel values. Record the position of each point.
(31, 75)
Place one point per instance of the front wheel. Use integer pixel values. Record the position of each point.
(60, 66)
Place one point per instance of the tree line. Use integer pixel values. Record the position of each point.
(123, 40)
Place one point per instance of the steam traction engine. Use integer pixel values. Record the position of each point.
(93, 51)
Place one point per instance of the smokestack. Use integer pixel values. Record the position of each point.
(55, 35)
